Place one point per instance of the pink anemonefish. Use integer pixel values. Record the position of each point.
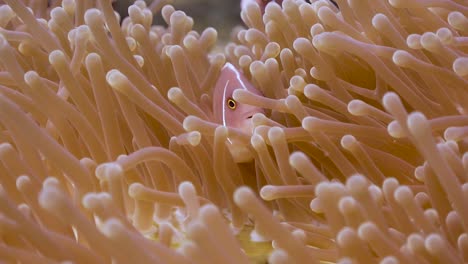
(229, 112)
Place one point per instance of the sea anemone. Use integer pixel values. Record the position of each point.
(110, 153)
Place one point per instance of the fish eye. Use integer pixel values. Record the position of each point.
(231, 103)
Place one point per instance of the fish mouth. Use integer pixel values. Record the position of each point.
(251, 113)
(246, 124)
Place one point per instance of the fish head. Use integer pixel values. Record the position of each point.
(227, 111)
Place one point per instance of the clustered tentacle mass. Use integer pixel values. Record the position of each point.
(109, 152)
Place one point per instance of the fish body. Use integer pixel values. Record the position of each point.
(229, 112)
